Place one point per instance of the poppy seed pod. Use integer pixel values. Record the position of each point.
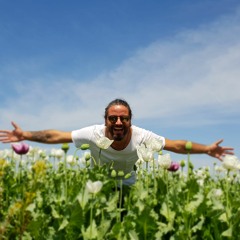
(65, 147)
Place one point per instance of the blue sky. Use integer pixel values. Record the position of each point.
(175, 62)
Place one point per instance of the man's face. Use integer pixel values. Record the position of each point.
(118, 122)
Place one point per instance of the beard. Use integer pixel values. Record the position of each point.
(118, 137)
(118, 133)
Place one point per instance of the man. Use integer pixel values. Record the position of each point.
(122, 153)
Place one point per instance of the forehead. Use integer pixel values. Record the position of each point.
(118, 110)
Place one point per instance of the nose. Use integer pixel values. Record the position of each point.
(119, 121)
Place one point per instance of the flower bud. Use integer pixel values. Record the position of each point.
(182, 163)
(191, 166)
(120, 173)
(43, 155)
(113, 173)
(87, 156)
(85, 146)
(160, 152)
(40, 203)
(128, 175)
(188, 145)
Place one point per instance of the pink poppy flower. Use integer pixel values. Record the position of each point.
(20, 148)
(174, 167)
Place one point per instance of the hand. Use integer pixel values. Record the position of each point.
(15, 135)
(217, 151)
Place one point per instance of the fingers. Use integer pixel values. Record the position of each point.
(4, 132)
(228, 153)
(3, 135)
(5, 140)
(228, 148)
(15, 125)
(219, 142)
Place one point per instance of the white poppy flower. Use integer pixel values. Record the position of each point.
(202, 173)
(101, 141)
(231, 162)
(155, 144)
(164, 161)
(219, 169)
(5, 153)
(145, 153)
(218, 192)
(70, 159)
(139, 162)
(200, 182)
(94, 187)
(58, 153)
(31, 151)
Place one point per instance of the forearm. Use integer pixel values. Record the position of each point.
(179, 146)
(47, 136)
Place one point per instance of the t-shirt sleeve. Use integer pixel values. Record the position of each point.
(159, 137)
(82, 136)
(146, 135)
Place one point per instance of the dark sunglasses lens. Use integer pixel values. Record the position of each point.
(124, 119)
(113, 119)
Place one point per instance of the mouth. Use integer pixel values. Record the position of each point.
(118, 132)
(118, 129)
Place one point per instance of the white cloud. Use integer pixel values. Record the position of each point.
(193, 74)
(196, 70)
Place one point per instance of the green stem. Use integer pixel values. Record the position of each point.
(145, 230)
(227, 197)
(147, 181)
(188, 165)
(20, 176)
(117, 214)
(65, 176)
(167, 189)
(95, 163)
(120, 198)
(91, 217)
(99, 155)
(154, 177)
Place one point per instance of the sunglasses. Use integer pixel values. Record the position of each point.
(114, 119)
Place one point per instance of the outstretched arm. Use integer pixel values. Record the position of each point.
(44, 136)
(213, 150)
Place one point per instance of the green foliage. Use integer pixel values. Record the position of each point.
(42, 200)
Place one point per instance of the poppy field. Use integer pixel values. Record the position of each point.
(55, 195)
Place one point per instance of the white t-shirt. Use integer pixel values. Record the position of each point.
(122, 160)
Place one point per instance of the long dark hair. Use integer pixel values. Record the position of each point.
(118, 101)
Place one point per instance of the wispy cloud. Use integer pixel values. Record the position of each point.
(195, 73)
